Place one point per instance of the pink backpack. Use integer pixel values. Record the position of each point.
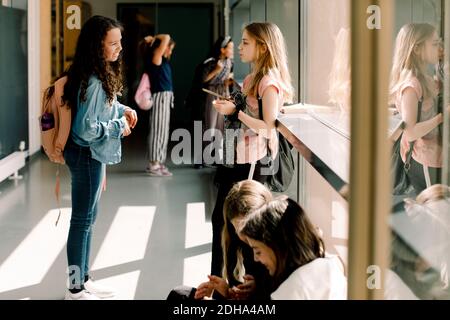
(55, 120)
(143, 96)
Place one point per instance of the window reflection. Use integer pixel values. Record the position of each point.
(340, 75)
(328, 53)
(414, 91)
(420, 219)
(421, 247)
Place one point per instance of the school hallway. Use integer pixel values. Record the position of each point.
(151, 234)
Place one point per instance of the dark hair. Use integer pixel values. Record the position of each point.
(148, 50)
(220, 43)
(89, 60)
(283, 226)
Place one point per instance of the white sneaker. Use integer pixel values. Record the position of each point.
(82, 295)
(99, 290)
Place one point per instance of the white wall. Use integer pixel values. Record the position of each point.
(34, 81)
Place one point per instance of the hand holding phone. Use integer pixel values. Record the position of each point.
(216, 94)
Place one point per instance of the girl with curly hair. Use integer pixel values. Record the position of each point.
(99, 122)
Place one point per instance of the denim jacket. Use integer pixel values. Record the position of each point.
(98, 125)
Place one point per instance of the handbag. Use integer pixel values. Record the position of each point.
(400, 169)
(282, 167)
(143, 96)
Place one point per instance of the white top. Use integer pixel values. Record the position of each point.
(321, 279)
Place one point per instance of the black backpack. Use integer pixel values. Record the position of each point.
(283, 165)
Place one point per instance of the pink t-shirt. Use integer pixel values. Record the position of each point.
(427, 149)
(251, 147)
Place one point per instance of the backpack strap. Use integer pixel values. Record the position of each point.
(57, 193)
(253, 165)
(261, 117)
(260, 108)
(411, 144)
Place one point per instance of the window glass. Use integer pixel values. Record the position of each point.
(327, 49)
(420, 219)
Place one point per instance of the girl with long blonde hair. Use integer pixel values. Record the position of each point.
(416, 51)
(269, 83)
(242, 278)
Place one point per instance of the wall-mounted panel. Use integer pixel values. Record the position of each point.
(13, 80)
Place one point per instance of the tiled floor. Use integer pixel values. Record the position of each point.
(151, 234)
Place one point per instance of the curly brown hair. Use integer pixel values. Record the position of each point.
(89, 60)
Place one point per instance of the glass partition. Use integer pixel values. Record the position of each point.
(327, 71)
(420, 219)
(322, 128)
(325, 79)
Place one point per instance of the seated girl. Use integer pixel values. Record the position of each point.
(284, 240)
(242, 277)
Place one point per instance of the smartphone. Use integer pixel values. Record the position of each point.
(216, 94)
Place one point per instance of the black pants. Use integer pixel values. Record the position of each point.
(226, 178)
(417, 177)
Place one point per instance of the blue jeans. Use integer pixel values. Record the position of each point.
(87, 177)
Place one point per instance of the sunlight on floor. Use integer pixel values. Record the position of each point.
(198, 231)
(196, 269)
(125, 284)
(127, 238)
(126, 241)
(31, 260)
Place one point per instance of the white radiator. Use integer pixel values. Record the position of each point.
(12, 164)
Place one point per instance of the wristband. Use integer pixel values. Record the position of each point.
(240, 103)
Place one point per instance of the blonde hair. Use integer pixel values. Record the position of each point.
(428, 198)
(244, 197)
(340, 76)
(273, 61)
(407, 63)
(434, 193)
